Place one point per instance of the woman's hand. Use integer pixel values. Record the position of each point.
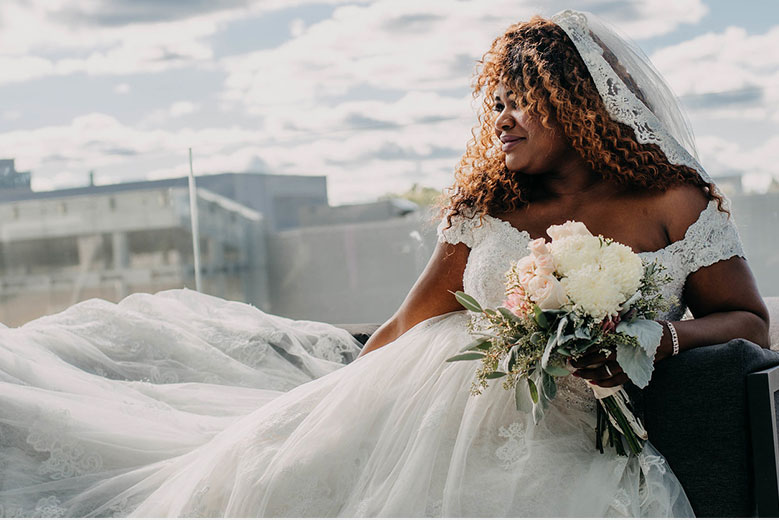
(599, 366)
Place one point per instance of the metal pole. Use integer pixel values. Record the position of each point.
(195, 227)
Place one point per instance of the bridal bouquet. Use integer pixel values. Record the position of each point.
(566, 297)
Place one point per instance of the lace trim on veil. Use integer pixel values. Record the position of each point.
(621, 103)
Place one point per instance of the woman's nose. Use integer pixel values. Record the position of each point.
(504, 121)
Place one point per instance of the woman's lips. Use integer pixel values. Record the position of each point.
(509, 141)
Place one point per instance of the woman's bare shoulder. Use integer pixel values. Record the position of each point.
(680, 206)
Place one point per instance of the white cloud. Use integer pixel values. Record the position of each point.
(12, 115)
(721, 73)
(182, 108)
(296, 27)
(758, 162)
(404, 45)
(407, 64)
(31, 29)
(657, 17)
(122, 88)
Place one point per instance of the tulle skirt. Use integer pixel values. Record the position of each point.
(181, 404)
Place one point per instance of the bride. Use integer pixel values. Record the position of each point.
(181, 404)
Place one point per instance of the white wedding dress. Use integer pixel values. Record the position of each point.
(181, 404)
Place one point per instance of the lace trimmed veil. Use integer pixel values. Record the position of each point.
(631, 88)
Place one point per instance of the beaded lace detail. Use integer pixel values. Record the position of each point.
(514, 447)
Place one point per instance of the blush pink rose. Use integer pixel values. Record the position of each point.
(545, 264)
(526, 269)
(568, 229)
(547, 292)
(538, 247)
(516, 302)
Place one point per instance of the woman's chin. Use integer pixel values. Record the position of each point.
(513, 166)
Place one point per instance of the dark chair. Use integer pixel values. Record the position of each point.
(712, 412)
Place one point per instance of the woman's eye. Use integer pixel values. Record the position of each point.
(498, 107)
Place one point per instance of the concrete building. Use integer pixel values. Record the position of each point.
(279, 198)
(64, 246)
(56, 252)
(320, 215)
(12, 181)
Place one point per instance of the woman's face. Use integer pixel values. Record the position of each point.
(530, 147)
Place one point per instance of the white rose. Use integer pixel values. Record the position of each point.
(570, 228)
(623, 267)
(547, 292)
(575, 251)
(593, 292)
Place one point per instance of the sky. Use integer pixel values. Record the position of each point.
(373, 94)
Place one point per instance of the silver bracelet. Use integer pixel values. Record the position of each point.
(674, 337)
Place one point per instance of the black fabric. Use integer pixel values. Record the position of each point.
(360, 331)
(696, 414)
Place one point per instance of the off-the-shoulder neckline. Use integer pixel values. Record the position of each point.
(711, 206)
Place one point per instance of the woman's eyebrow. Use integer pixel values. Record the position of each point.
(509, 93)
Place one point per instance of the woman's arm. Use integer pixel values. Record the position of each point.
(722, 297)
(726, 304)
(430, 296)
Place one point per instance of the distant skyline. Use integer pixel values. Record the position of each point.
(373, 94)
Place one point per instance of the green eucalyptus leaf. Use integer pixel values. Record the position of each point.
(582, 333)
(508, 315)
(468, 301)
(540, 317)
(538, 414)
(630, 301)
(548, 385)
(533, 390)
(636, 364)
(467, 356)
(647, 332)
(557, 371)
(481, 343)
(554, 340)
(495, 375)
(522, 396)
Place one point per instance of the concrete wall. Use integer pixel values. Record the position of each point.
(350, 273)
(757, 218)
(355, 273)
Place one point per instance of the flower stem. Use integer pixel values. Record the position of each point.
(616, 413)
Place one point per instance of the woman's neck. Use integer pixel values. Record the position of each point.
(569, 183)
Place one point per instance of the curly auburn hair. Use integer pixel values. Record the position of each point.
(541, 65)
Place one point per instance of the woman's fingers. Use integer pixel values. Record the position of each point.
(619, 379)
(595, 357)
(605, 371)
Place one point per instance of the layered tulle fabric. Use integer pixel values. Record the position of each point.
(394, 433)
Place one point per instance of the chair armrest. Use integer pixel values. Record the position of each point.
(360, 331)
(696, 412)
(762, 388)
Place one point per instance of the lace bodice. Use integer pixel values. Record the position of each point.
(495, 243)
